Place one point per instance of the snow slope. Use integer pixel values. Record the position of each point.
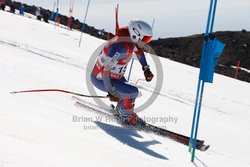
(38, 129)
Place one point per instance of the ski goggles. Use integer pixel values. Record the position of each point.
(146, 39)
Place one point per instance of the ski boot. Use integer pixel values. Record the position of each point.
(125, 111)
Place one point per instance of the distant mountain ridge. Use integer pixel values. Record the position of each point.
(188, 49)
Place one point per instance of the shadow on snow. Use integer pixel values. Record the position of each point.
(126, 136)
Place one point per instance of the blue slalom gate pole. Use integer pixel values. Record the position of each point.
(197, 100)
(84, 22)
(53, 12)
(130, 69)
(194, 116)
(211, 51)
(197, 121)
(199, 83)
(57, 11)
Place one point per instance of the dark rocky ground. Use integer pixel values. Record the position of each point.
(186, 50)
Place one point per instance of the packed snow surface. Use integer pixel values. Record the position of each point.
(47, 129)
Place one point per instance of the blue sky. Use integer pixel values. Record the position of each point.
(173, 18)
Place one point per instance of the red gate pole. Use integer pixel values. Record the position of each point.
(237, 70)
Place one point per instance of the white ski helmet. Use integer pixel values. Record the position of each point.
(140, 30)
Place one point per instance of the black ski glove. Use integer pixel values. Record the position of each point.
(147, 73)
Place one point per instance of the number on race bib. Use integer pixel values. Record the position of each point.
(122, 69)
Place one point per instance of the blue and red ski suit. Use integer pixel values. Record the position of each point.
(119, 54)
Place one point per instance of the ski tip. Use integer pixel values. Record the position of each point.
(204, 147)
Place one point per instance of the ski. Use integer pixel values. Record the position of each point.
(147, 128)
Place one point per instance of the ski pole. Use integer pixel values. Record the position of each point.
(57, 90)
